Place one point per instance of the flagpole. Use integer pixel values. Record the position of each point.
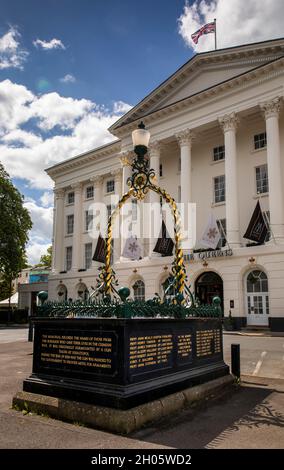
(224, 234)
(267, 223)
(215, 29)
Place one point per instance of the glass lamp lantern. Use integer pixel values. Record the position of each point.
(140, 139)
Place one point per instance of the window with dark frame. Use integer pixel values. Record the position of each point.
(68, 258)
(219, 189)
(110, 186)
(90, 192)
(88, 255)
(260, 141)
(261, 176)
(71, 197)
(88, 220)
(161, 170)
(219, 153)
(70, 224)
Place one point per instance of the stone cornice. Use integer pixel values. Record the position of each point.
(253, 53)
(260, 74)
(271, 108)
(84, 158)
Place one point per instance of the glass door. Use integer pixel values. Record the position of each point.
(257, 299)
(258, 309)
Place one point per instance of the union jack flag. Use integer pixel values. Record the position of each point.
(207, 28)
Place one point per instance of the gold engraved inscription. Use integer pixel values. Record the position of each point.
(150, 350)
(208, 342)
(89, 351)
(184, 346)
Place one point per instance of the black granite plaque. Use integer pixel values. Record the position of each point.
(124, 362)
(92, 352)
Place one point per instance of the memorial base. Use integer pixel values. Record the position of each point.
(123, 363)
(121, 421)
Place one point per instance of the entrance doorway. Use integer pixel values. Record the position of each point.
(207, 286)
(257, 298)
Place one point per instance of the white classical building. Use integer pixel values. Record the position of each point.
(217, 139)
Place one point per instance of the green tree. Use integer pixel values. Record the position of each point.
(45, 260)
(5, 288)
(15, 223)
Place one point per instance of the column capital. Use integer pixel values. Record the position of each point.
(126, 158)
(229, 122)
(59, 193)
(155, 149)
(77, 186)
(271, 108)
(116, 173)
(97, 180)
(185, 137)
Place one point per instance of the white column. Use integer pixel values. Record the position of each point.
(117, 174)
(229, 125)
(98, 187)
(276, 203)
(77, 252)
(125, 160)
(185, 139)
(58, 245)
(154, 198)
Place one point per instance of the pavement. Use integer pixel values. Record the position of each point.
(251, 416)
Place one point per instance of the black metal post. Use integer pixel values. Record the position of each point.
(31, 329)
(235, 360)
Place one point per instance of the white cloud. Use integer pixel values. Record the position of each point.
(48, 45)
(47, 199)
(12, 55)
(14, 105)
(40, 235)
(19, 138)
(77, 126)
(35, 249)
(42, 218)
(119, 107)
(238, 22)
(55, 110)
(68, 78)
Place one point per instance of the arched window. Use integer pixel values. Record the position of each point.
(139, 290)
(257, 282)
(62, 292)
(257, 298)
(82, 291)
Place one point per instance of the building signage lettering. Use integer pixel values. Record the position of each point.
(208, 254)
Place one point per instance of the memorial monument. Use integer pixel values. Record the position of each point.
(117, 353)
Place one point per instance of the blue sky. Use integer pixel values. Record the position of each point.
(70, 68)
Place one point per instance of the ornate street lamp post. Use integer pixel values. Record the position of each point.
(140, 182)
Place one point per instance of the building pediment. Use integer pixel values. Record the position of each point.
(202, 72)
